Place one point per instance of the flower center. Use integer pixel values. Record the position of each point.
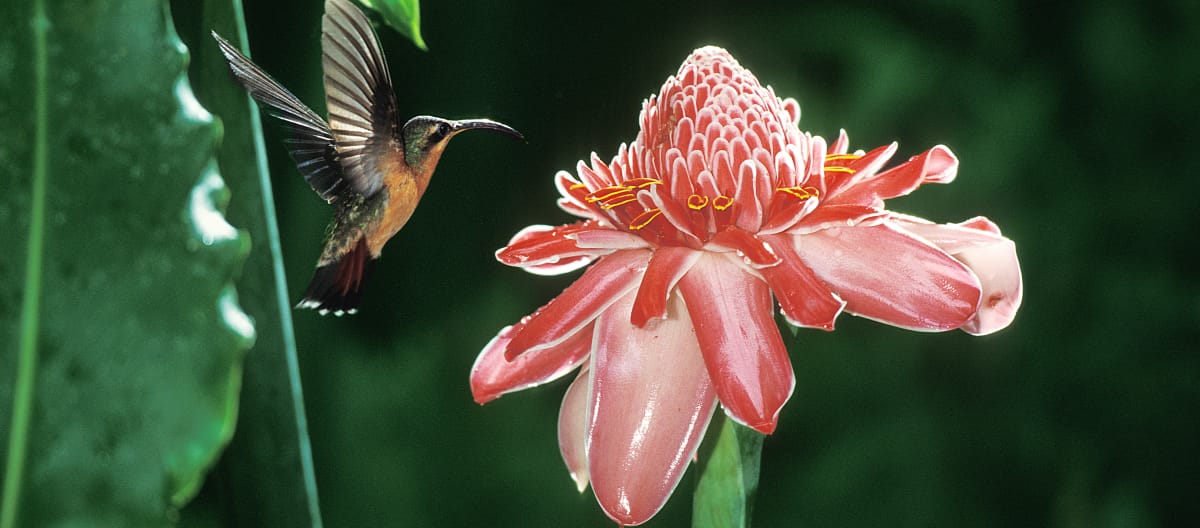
(693, 220)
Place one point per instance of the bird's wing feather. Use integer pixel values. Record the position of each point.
(358, 95)
(311, 142)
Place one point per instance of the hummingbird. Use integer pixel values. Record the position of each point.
(371, 168)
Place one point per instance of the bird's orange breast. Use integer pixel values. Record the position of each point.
(403, 193)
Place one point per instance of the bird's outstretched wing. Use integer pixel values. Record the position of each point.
(311, 142)
(358, 95)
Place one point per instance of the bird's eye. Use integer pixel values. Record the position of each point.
(440, 131)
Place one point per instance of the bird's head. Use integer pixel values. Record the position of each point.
(426, 136)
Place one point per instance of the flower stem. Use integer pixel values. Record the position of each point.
(729, 464)
(27, 347)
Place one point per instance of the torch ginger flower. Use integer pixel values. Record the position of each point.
(719, 205)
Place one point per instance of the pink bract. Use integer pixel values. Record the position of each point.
(719, 209)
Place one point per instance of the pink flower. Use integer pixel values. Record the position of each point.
(720, 205)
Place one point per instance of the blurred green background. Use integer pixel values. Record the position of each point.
(1072, 122)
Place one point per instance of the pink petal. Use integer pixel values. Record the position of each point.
(675, 213)
(493, 376)
(841, 144)
(734, 320)
(572, 426)
(607, 239)
(570, 206)
(792, 107)
(560, 266)
(579, 304)
(754, 251)
(804, 299)
(750, 209)
(952, 238)
(650, 404)
(666, 267)
(598, 175)
(891, 276)
(573, 193)
(550, 250)
(936, 165)
(788, 215)
(846, 215)
(992, 257)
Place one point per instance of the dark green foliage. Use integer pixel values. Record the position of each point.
(135, 366)
(402, 15)
(1072, 125)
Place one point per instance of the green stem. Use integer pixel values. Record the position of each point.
(729, 464)
(281, 295)
(27, 349)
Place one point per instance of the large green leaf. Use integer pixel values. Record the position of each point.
(121, 338)
(267, 471)
(403, 15)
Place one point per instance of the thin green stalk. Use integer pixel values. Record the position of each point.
(27, 349)
(281, 296)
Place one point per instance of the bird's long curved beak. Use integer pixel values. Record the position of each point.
(486, 124)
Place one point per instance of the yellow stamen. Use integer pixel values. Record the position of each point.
(846, 170)
(840, 157)
(619, 201)
(605, 193)
(802, 193)
(793, 191)
(722, 202)
(644, 219)
(697, 202)
(578, 186)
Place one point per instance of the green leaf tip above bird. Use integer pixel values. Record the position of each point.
(372, 169)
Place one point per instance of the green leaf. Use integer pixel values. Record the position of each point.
(121, 339)
(268, 467)
(729, 467)
(403, 15)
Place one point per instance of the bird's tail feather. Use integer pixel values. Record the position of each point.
(337, 287)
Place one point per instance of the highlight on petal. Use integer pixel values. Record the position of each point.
(607, 239)
(493, 375)
(572, 428)
(891, 276)
(580, 304)
(992, 257)
(650, 403)
(743, 351)
(550, 250)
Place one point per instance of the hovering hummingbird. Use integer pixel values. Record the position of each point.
(372, 169)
